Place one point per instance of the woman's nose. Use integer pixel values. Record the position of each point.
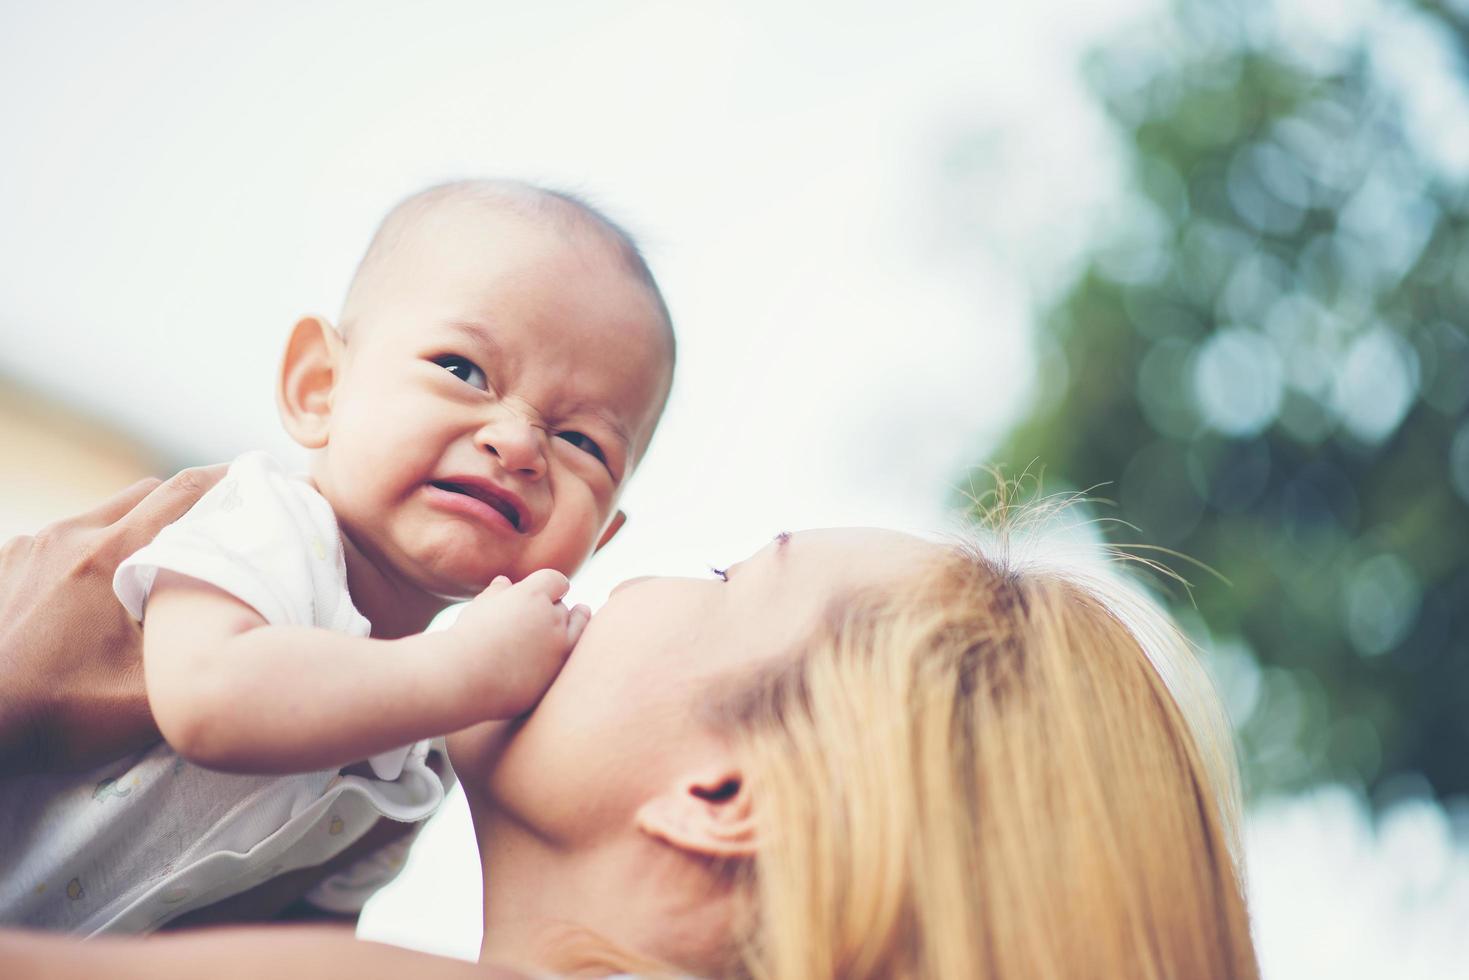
(517, 443)
(627, 582)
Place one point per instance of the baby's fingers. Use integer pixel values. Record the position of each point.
(498, 584)
(576, 622)
(547, 582)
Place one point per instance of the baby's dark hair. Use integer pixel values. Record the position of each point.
(571, 212)
(574, 208)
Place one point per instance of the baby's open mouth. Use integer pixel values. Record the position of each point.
(507, 509)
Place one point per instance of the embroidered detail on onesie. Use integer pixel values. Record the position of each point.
(231, 499)
(335, 827)
(74, 889)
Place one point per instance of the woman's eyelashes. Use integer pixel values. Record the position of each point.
(720, 573)
(585, 443)
(464, 369)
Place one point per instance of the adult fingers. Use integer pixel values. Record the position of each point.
(167, 503)
(116, 505)
(547, 582)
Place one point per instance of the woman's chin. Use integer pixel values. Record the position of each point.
(475, 751)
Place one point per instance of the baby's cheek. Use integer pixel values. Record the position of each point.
(565, 560)
(566, 542)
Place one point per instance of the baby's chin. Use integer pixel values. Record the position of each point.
(460, 587)
(454, 578)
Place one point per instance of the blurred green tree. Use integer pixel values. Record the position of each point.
(1268, 364)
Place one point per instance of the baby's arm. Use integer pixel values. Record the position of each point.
(231, 692)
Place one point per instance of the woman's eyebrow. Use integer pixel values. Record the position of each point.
(779, 543)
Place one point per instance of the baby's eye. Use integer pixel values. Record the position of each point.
(585, 443)
(464, 369)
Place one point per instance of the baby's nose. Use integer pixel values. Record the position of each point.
(517, 443)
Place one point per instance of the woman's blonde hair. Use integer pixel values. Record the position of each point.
(992, 772)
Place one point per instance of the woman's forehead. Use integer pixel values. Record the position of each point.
(796, 575)
(846, 552)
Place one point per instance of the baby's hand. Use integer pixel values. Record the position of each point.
(511, 640)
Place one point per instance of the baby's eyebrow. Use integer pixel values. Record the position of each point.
(615, 424)
(476, 333)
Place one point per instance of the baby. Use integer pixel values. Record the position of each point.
(502, 360)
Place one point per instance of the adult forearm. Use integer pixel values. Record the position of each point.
(20, 727)
(279, 952)
(66, 709)
(291, 699)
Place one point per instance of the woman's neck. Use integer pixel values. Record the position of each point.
(527, 915)
(625, 905)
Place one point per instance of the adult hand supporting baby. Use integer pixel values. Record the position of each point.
(71, 673)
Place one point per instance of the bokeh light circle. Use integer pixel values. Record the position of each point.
(1238, 382)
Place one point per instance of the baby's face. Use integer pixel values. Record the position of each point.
(493, 399)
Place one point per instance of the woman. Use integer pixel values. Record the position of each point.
(854, 754)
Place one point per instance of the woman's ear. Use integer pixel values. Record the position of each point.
(309, 373)
(708, 814)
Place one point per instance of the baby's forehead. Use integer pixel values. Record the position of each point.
(497, 208)
(457, 239)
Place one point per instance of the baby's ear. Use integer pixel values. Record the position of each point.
(308, 375)
(613, 526)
